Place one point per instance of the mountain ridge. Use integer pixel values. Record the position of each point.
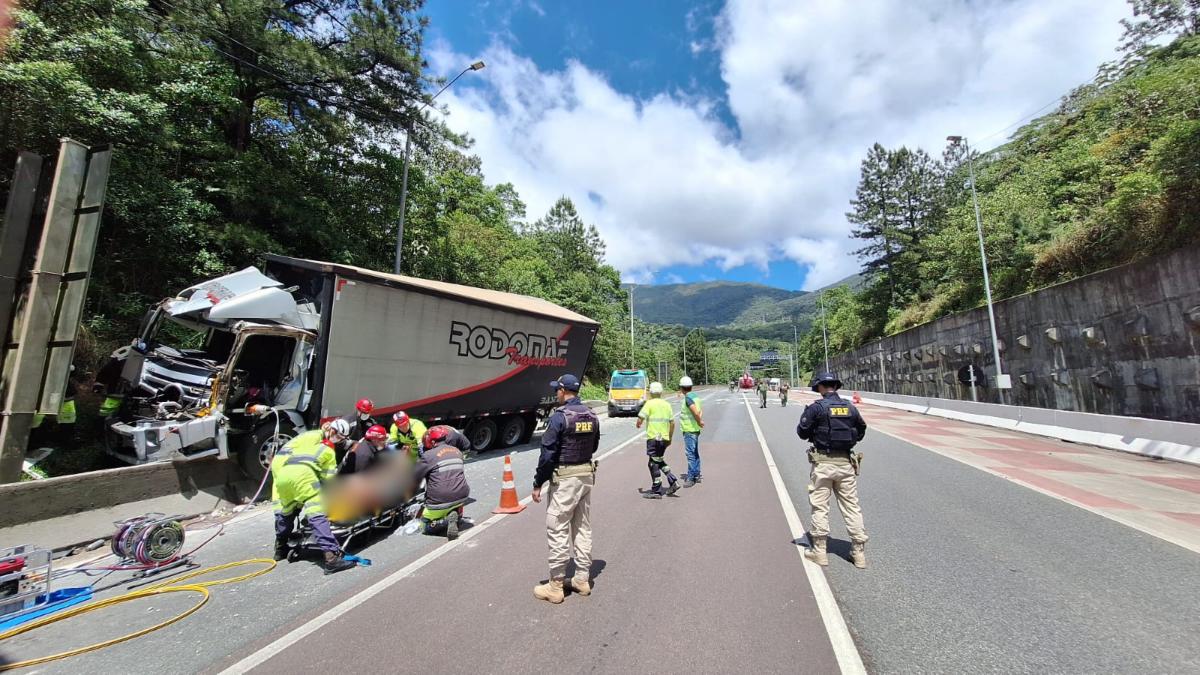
(727, 304)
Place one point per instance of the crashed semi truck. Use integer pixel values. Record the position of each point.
(242, 363)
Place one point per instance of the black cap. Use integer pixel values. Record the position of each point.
(568, 382)
(827, 378)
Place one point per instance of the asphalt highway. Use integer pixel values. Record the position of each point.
(968, 572)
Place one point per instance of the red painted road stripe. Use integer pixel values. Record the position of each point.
(1036, 462)
(1061, 489)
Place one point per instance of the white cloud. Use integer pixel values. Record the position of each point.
(811, 86)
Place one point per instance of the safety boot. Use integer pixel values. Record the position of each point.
(858, 554)
(816, 552)
(581, 585)
(452, 526)
(335, 563)
(281, 548)
(551, 591)
(673, 489)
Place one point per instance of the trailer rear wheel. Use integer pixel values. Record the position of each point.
(513, 431)
(257, 448)
(483, 435)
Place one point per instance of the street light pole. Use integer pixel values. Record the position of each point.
(1002, 380)
(824, 332)
(632, 353)
(478, 65)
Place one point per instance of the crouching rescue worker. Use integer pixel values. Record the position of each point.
(568, 444)
(834, 426)
(407, 433)
(298, 472)
(441, 466)
(368, 452)
(660, 429)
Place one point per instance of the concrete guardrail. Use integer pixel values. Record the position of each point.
(1178, 441)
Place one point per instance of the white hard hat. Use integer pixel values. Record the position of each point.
(656, 387)
(340, 427)
(685, 381)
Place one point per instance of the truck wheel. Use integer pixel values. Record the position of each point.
(483, 435)
(256, 449)
(512, 432)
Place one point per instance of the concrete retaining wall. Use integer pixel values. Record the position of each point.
(198, 485)
(1179, 441)
(1125, 341)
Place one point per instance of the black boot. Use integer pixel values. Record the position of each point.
(335, 563)
(281, 548)
(452, 526)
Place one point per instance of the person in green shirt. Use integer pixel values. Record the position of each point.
(762, 393)
(691, 421)
(659, 419)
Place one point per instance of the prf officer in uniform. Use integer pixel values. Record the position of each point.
(571, 438)
(834, 426)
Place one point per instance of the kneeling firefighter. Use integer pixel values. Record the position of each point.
(298, 472)
(441, 466)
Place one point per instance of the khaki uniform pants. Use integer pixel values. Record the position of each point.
(838, 479)
(569, 525)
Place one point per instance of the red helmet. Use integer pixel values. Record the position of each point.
(376, 433)
(365, 406)
(400, 418)
(434, 436)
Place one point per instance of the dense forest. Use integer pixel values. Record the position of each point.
(243, 127)
(1109, 177)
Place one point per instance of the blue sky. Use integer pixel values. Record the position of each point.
(642, 48)
(721, 139)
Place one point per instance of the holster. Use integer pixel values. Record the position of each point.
(812, 455)
(856, 459)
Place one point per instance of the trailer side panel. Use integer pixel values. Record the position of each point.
(441, 358)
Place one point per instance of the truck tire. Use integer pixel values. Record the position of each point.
(483, 435)
(512, 431)
(257, 447)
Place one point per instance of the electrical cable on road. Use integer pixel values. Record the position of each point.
(171, 586)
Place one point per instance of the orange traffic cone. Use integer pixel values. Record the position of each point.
(508, 491)
(856, 398)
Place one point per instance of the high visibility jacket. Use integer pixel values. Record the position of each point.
(299, 469)
(658, 415)
(416, 431)
(688, 423)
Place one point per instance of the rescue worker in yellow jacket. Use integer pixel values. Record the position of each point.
(406, 434)
(298, 472)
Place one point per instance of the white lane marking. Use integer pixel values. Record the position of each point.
(848, 658)
(1143, 527)
(313, 625)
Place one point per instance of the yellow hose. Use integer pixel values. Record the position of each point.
(170, 586)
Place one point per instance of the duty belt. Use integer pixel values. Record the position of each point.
(574, 470)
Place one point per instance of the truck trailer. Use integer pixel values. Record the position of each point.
(242, 363)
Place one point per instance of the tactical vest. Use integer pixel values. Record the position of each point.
(836, 432)
(579, 435)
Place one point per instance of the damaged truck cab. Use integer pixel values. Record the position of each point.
(255, 347)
